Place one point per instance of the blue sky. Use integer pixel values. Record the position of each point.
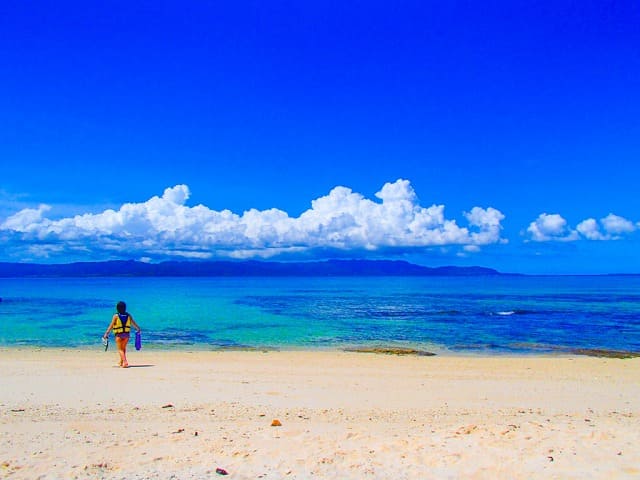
(502, 134)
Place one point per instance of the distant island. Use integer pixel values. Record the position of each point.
(328, 268)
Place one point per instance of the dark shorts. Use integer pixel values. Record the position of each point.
(122, 335)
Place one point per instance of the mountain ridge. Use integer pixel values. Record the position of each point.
(249, 268)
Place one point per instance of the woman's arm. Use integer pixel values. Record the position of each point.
(113, 321)
(133, 322)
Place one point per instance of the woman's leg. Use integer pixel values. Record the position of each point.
(122, 350)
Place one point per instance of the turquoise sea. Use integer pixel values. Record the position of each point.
(488, 315)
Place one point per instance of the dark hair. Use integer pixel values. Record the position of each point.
(121, 307)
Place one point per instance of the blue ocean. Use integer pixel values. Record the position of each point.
(463, 315)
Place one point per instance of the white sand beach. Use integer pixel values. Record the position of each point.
(182, 415)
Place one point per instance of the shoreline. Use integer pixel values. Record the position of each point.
(342, 415)
(405, 349)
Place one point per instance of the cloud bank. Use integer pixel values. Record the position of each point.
(553, 227)
(164, 226)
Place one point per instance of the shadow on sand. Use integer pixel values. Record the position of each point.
(135, 366)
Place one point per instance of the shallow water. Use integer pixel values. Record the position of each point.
(490, 315)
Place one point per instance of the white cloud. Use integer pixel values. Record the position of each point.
(26, 219)
(615, 225)
(343, 220)
(488, 222)
(551, 227)
(554, 228)
(590, 230)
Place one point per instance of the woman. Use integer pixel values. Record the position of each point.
(121, 326)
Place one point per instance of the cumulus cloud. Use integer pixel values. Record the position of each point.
(615, 225)
(590, 230)
(488, 223)
(25, 219)
(342, 220)
(611, 227)
(551, 227)
(554, 228)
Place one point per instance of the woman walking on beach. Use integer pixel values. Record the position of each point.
(121, 325)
